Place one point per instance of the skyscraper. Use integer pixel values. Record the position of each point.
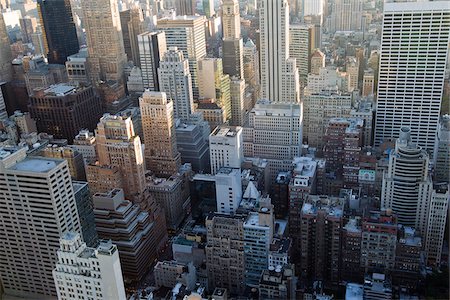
(152, 46)
(346, 15)
(104, 38)
(411, 72)
(37, 205)
(161, 153)
(279, 73)
(407, 185)
(300, 48)
(5, 53)
(82, 272)
(175, 81)
(233, 52)
(226, 148)
(59, 30)
(187, 33)
(132, 22)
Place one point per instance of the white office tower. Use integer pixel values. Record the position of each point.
(279, 73)
(37, 205)
(237, 99)
(187, 33)
(274, 132)
(312, 7)
(441, 159)
(175, 81)
(411, 69)
(232, 47)
(88, 273)
(300, 48)
(226, 148)
(437, 218)
(406, 184)
(346, 15)
(228, 190)
(152, 46)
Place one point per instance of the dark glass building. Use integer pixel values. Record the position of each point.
(59, 28)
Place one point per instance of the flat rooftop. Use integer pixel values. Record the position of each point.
(36, 165)
(226, 131)
(59, 90)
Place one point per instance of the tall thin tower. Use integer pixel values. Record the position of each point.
(279, 73)
(414, 52)
(104, 38)
(233, 46)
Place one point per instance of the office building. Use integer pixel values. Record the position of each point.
(228, 190)
(59, 30)
(322, 220)
(152, 46)
(83, 272)
(379, 241)
(352, 73)
(408, 259)
(350, 257)
(187, 33)
(328, 78)
(171, 273)
(274, 132)
(232, 44)
(84, 143)
(132, 23)
(175, 80)
(77, 67)
(185, 7)
(398, 100)
(193, 147)
(138, 234)
(226, 148)
(377, 287)
(37, 216)
(85, 207)
(225, 252)
(300, 36)
(44, 75)
(161, 153)
(318, 110)
(346, 15)
(278, 283)
(251, 63)
(74, 159)
(441, 159)
(107, 56)
(214, 84)
(437, 216)
(317, 61)
(72, 107)
(279, 73)
(6, 71)
(3, 112)
(407, 185)
(119, 149)
(368, 84)
(237, 101)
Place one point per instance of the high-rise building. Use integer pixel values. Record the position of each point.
(77, 67)
(59, 29)
(138, 234)
(161, 153)
(437, 217)
(226, 148)
(279, 73)
(274, 132)
(441, 157)
(175, 80)
(132, 23)
(74, 159)
(185, 7)
(228, 190)
(251, 64)
(368, 84)
(346, 15)
(225, 234)
(85, 208)
(237, 99)
(232, 46)
(317, 62)
(399, 102)
(37, 207)
(351, 270)
(217, 89)
(63, 110)
(152, 46)
(278, 283)
(84, 142)
(352, 73)
(83, 272)
(193, 146)
(300, 48)
(312, 7)
(407, 184)
(3, 111)
(119, 147)
(107, 56)
(6, 71)
(187, 33)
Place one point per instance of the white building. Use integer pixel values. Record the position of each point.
(406, 184)
(328, 78)
(226, 148)
(437, 217)
(410, 89)
(84, 142)
(228, 190)
(237, 99)
(175, 80)
(274, 132)
(87, 273)
(279, 73)
(312, 7)
(300, 48)
(346, 15)
(37, 205)
(152, 46)
(441, 159)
